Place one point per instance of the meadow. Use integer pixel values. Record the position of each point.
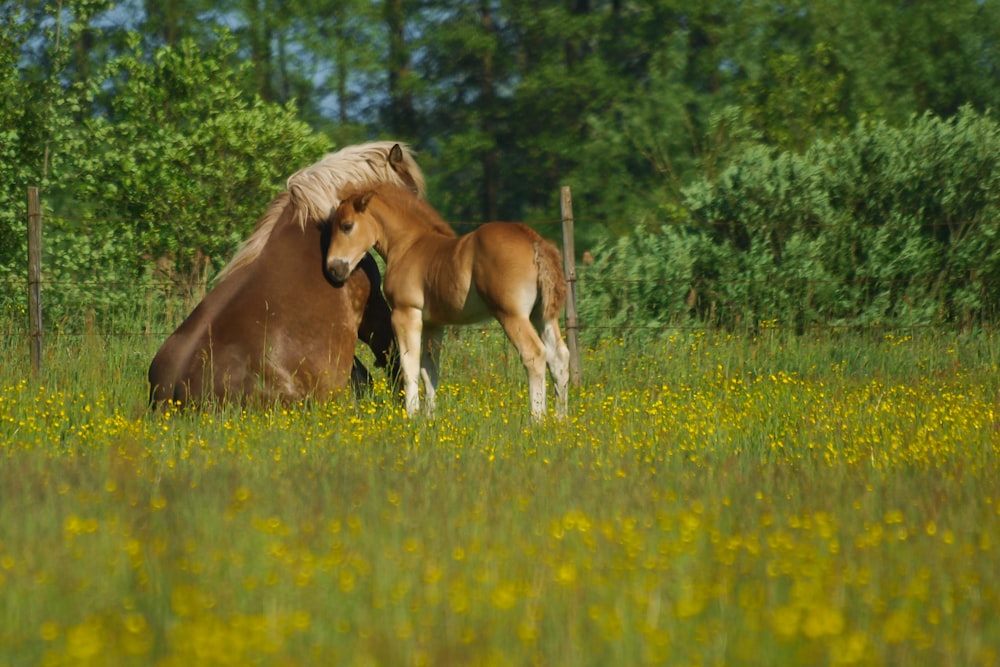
(712, 499)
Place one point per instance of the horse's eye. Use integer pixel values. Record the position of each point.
(347, 226)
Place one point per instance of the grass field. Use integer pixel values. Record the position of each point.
(711, 500)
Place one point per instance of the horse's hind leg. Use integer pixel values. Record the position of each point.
(522, 334)
(557, 357)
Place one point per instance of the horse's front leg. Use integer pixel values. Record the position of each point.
(432, 337)
(407, 323)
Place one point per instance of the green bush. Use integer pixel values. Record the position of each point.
(178, 173)
(160, 180)
(884, 226)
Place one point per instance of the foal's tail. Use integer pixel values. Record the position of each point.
(551, 282)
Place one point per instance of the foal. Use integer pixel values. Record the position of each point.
(433, 278)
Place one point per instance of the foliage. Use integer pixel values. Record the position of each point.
(512, 98)
(172, 177)
(143, 116)
(12, 128)
(186, 159)
(641, 280)
(713, 499)
(886, 225)
(37, 113)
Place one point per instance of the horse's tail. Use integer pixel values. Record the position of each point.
(551, 282)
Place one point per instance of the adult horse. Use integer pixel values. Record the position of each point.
(433, 277)
(275, 327)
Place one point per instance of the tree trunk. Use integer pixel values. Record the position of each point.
(487, 100)
(401, 113)
(259, 37)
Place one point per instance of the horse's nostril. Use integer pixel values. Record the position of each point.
(338, 268)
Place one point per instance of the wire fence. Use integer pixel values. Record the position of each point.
(160, 303)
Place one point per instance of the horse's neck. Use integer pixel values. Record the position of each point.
(400, 231)
(280, 213)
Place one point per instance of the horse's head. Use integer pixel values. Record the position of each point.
(317, 190)
(353, 231)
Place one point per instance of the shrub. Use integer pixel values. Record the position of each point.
(884, 226)
(164, 180)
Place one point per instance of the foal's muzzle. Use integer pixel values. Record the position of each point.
(338, 268)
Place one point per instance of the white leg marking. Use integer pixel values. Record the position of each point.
(407, 324)
(557, 357)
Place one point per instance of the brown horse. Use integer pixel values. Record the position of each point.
(433, 278)
(275, 327)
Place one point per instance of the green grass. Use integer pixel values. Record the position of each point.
(710, 500)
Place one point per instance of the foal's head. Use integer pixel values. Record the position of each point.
(353, 231)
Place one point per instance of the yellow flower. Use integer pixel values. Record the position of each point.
(49, 631)
(785, 621)
(504, 596)
(850, 649)
(897, 627)
(85, 641)
(822, 621)
(566, 574)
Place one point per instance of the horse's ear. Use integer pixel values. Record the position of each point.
(398, 164)
(361, 203)
(396, 155)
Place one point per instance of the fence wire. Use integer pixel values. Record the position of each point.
(178, 298)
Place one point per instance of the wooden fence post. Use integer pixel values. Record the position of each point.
(35, 278)
(569, 262)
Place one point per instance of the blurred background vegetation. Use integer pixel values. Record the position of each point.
(815, 162)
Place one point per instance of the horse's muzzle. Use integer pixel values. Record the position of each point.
(338, 268)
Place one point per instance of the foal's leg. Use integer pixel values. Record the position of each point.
(407, 323)
(557, 356)
(431, 352)
(522, 334)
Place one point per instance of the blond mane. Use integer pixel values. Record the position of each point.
(317, 190)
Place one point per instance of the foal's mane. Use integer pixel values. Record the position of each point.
(316, 191)
(406, 204)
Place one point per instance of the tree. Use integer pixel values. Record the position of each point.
(463, 55)
(512, 83)
(186, 160)
(906, 57)
(342, 62)
(401, 113)
(39, 105)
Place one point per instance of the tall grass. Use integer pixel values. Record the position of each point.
(710, 499)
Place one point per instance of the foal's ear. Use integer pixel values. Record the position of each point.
(361, 203)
